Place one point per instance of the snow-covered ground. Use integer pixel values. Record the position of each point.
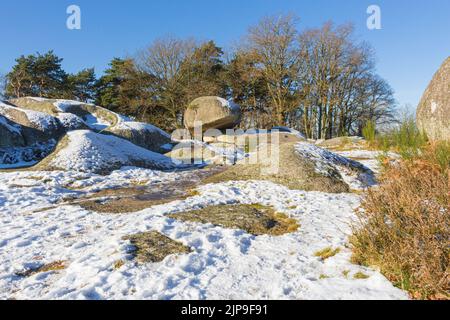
(224, 263)
(88, 151)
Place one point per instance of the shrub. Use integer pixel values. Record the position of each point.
(406, 139)
(369, 131)
(404, 224)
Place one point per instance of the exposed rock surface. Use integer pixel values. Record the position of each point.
(141, 134)
(10, 134)
(212, 112)
(34, 126)
(293, 171)
(433, 112)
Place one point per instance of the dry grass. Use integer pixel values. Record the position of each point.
(360, 276)
(53, 266)
(118, 264)
(404, 224)
(254, 219)
(327, 253)
(154, 247)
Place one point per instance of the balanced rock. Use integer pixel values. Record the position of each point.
(433, 112)
(212, 112)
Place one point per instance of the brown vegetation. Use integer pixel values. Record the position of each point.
(404, 224)
(53, 266)
(154, 247)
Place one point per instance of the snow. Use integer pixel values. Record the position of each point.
(96, 123)
(16, 157)
(64, 105)
(70, 121)
(36, 229)
(92, 120)
(39, 99)
(368, 158)
(289, 130)
(224, 264)
(223, 155)
(40, 120)
(355, 174)
(88, 151)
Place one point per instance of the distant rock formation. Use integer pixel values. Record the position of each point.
(213, 113)
(31, 128)
(74, 115)
(433, 112)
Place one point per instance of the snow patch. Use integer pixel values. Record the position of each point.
(19, 157)
(434, 107)
(88, 151)
(71, 121)
(40, 120)
(354, 173)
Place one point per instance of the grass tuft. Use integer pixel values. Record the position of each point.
(327, 253)
(360, 276)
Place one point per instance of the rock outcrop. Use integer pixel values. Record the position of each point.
(433, 112)
(298, 166)
(10, 134)
(74, 115)
(35, 126)
(141, 134)
(212, 112)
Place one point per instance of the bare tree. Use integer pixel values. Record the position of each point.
(273, 44)
(163, 60)
(339, 92)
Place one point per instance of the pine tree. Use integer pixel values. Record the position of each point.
(38, 75)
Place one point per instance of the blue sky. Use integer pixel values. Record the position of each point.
(414, 41)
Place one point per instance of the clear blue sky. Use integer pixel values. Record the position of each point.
(414, 41)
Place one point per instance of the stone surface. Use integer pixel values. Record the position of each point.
(35, 126)
(433, 112)
(212, 112)
(10, 134)
(142, 135)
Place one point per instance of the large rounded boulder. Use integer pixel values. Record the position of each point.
(212, 113)
(433, 112)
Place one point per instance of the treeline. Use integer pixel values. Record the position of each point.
(320, 81)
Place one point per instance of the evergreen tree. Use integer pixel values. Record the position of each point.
(38, 75)
(82, 85)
